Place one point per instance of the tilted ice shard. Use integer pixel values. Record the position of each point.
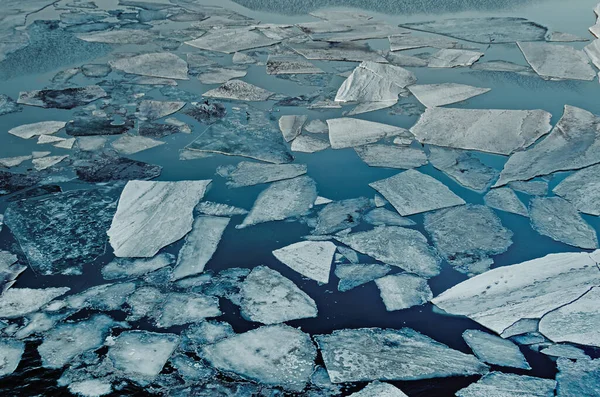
(392, 156)
(432, 95)
(17, 302)
(126, 267)
(494, 350)
(582, 189)
(239, 90)
(248, 173)
(11, 352)
(402, 291)
(505, 199)
(352, 275)
(231, 40)
(312, 259)
(159, 64)
(555, 61)
(379, 389)
(463, 166)
(347, 132)
(578, 378)
(451, 58)
(185, 308)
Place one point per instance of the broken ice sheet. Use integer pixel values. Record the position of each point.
(11, 182)
(347, 132)
(8, 105)
(152, 110)
(61, 232)
(220, 75)
(566, 351)
(231, 40)
(392, 156)
(582, 190)
(532, 188)
(120, 36)
(126, 267)
(382, 216)
(11, 352)
(463, 166)
(91, 126)
(336, 51)
(506, 130)
(353, 275)
(159, 64)
(200, 245)
(43, 163)
(340, 215)
(526, 290)
(309, 144)
(219, 209)
(287, 64)
(365, 354)
(505, 199)
(131, 144)
(432, 95)
(488, 30)
(402, 291)
(411, 192)
(312, 259)
(67, 98)
(494, 350)
(451, 58)
(105, 297)
(553, 61)
(558, 219)
(240, 91)
(410, 250)
(28, 131)
(109, 167)
(247, 173)
(281, 200)
(10, 269)
(17, 302)
(502, 66)
(578, 378)
(185, 308)
(291, 126)
(499, 384)
(467, 236)
(152, 215)
(268, 297)
(408, 42)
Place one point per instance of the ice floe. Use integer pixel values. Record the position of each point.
(159, 64)
(578, 378)
(17, 302)
(126, 267)
(232, 40)
(347, 132)
(152, 110)
(581, 190)
(463, 166)
(10, 269)
(408, 42)
(353, 275)
(291, 126)
(220, 75)
(131, 144)
(452, 58)
(219, 209)
(432, 95)
(312, 259)
(382, 216)
(285, 64)
(402, 291)
(28, 131)
(532, 188)
(340, 215)
(152, 215)
(337, 51)
(392, 156)
(8, 105)
(179, 309)
(379, 389)
(11, 352)
(67, 98)
(498, 384)
(566, 351)
(494, 350)
(104, 297)
(554, 61)
(240, 91)
(505, 199)
(309, 144)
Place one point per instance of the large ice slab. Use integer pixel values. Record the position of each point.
(28, 131)
(231, 40)
(240, 91)
(268, 297)
(180, 309)
(505, 199)
(158, 64)
(494, 350)
(578, 378)
(410, 250)
(200, 245)
(67, 98)
(365, 354)
(582, 189)
(402, 291)
(411, 192)
(152, 215)
(463, 166)
(247, 173)
(498, 384)
(506, 131)
(392, 156)
(11, 352)
(61, 232)
(432, 95)
(291, 126)
(125, 267)
(347, 132)
(575, 322)
(353, 275)
(281, 200)
(312, 259)
(572, 144)
(17, 302)
(558, 219)
(452, 58)
(526, 290)
(276, 355)
(553, 61)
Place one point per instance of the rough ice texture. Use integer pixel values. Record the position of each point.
(576, 322)
(553, 61)
(125, 267)
(487, 30)
(347, 132)
(104, 297)
(593, 52)
(268, 297)
(451, 58)
(281, 200)
(11, 352)
(141, 355)
(282, 64)
(382, 216)
(410, 250)
(180, 308)
(340, 215)
(526, 290)
(219, 209)
(506, 131)
(402, 291)
(152, 215)
(231, 40)
(582, 189)
(558, 219)
(379, 389)
(505, 199)
(159, 64)
(579, 378)
(153, 110)
(40, 129)
(91, 388)
(120, 36)
(239, 90)
(494, 350)
(248, 173)
(61, 232)
(463, 167)
(573, 143)
(353, 275)
(67, 98)
(392, 156)
(498, 384)
(432, 95)
(108, 168)
(291, 126)
(312, 259)
(467, 236)
(200, 245)
(411, 192)
(8, 105)
(275, 355)
(340, 52)
(17, 302)
(365, 354)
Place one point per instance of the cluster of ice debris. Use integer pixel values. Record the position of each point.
(163, 235)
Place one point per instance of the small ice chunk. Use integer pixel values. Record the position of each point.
(45, 139)
(404, 60)
(240, 91)
(379, 389)
(232, 40)
(532, 188)
(349, 132)
(316, 127)
(432, 95)
(160, 64)
(566, 351)
(9, 162)
(17, 302)
(451, 58)
(494, 350)
(11, 352)
(152, 215)
(366, 107)
(340, 215)
(8, 105)
(353, 52)
(352, 275)
(411, 192)
(392, 156)
(309, 144)
(208, 332)
(382, 216)
(200, 245)
(91, 143)
(582, 190)
(219, 209)
(268, 297)
(322, 200)
(505, 199)
(463, 166)
(578, 378)
(152, 110)
(467, 236)
(240, 58)
(563, 37)
(143, 302)
(408, 42)
(281, 200)
(47, 162)
(498, 384)
(220, 75)
(558, 219)
(128, 267)
(10, 269)
(119, 36)
(180, 308)
(410, 250)
(248, 173)
(312, 259)
(42, 128)
(275, 355)
(291, 126)
(104, 297)
(553, 61)
(402, 291)
(91, 388)
(130, 144)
